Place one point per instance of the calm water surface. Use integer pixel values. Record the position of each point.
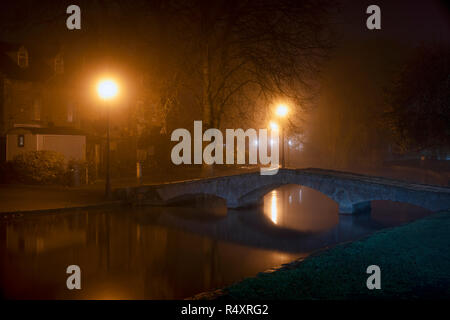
(167, 253)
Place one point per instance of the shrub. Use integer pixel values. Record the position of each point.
(42, 167)
(7, 172)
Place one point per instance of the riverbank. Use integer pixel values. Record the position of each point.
(414, 260)
(19, 198)
(26, 198)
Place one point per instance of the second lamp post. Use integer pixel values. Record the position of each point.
(281, 111)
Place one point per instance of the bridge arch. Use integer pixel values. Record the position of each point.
(352, 192)
(341, 197)
(195, 197)
(256, 196)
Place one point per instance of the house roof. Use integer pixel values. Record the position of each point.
(37, 70)
(50, 130)
(9, 46)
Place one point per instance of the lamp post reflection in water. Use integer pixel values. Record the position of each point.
(273, 208)
(293, 206)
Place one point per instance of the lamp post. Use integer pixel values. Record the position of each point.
(281, 111)
(107, 89)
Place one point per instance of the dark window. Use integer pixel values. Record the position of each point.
(70, 112)
(20, 140)
(22, 58)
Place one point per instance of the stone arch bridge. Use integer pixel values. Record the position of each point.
(353, 192)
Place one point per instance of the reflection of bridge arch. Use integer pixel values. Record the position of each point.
(352, 192)
(194, 197)
(257, 196)
(254, 231)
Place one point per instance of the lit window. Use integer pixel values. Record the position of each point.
(21, 140)
(22, 57)
(70, 112)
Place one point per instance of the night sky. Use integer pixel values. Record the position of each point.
(402, 20)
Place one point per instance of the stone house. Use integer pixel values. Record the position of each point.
(35, 102)
(70, 142)
(46, 91)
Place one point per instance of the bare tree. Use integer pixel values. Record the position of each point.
(419, 101)
(234, 53)
(226, 55)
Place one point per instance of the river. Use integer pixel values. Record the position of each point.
(175, 252)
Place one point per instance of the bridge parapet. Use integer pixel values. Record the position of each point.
(352, 192)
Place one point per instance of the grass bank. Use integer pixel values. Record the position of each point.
(414, 260)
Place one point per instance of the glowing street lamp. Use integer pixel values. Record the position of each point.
(107, 89)
(282, 110)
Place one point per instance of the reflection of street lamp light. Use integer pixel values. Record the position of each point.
(107, 89)
(281, 111)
